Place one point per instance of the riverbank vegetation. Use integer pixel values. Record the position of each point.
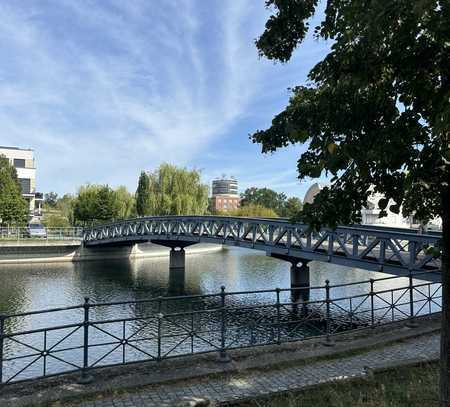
(401, 387)
(250, 211)
(170, 190)
(13, 207)
(268, 198)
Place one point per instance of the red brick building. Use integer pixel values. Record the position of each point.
(225, 202)
(225, 196)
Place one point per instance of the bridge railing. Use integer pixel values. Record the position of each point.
(23, 234)
(84, 337)
(355, 246)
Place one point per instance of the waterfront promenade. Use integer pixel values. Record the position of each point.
(240, 386)
(251, 373)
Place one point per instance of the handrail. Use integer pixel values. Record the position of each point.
(162, 331)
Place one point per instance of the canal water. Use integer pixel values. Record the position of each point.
(37, 286)
(25, 288)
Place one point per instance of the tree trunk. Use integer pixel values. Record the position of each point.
(445, 328)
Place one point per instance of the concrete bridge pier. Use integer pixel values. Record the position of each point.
(300, 281)
(177, 258)
(177, 273)
(177, 264)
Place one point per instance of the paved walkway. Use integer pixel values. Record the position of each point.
(226, 388)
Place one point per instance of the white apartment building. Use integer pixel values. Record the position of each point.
(371, 212)
(24, 163)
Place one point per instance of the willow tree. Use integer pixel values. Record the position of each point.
(176, 191)
(374, 112)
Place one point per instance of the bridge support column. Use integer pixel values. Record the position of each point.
(300, 283)
(177, 258)
(299, 279)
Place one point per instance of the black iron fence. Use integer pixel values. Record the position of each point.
(90, 335)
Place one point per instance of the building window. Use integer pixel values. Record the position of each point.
(19, 163)
(25, 184)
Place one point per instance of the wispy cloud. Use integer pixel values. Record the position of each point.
(104, 89)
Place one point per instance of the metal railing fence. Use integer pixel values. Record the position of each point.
(23, 234)
(103, 334)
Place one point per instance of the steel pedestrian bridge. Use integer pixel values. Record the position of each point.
(392, 250)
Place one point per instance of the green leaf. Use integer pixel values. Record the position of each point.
(395, 208)
(382, 203)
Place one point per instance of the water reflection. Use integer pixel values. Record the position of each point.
(39, 286)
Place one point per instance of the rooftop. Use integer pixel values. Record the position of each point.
(16, 148)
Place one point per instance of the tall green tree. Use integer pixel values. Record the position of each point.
(13, 207)
(265, 197)
(126, 202)
(292, 207)
(96, 204)
(143, 195)
(107, 206)
(375, 112)
(65, 205)
(175, 191)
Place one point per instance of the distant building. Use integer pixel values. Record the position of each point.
(225, 186)
(371, 212)
(225, 195)
(24, 163)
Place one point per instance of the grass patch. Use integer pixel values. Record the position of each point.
(413, 386)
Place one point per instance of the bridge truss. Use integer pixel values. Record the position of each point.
(395, 251)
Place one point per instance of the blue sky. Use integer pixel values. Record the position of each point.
(104, 89)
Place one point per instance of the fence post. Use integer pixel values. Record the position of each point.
(86, 378)
(223, 355)
(411, 321)
(328, 341)
(160, 317)
(372, 308)
(278, 316)
(2, 333)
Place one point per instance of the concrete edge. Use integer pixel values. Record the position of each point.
(75, 253)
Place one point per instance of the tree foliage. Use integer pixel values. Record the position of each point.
(279, 203)
(55, 220)
(51, 199)
(96, 204)
(264, 197)
(374, 112)
(376, 108)
(65, 206)
(13, 207)
(127, 202)
(171, 191)
(292, 207)
(143, 195)
(250, 211)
